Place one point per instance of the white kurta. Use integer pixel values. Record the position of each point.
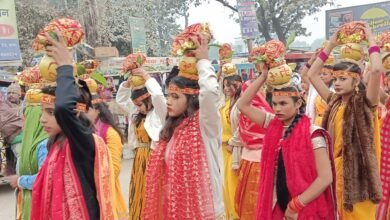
(155, 118)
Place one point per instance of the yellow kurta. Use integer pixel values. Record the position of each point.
(230, 177)
(115, 147)
(362, 210)
(137, 184)
(320, 107)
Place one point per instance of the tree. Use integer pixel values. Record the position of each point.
(31, 18)
(283, 16)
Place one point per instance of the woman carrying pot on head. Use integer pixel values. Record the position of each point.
(296, 167)
(349, 118)
(142, 93)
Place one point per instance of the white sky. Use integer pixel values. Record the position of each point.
(225, 29)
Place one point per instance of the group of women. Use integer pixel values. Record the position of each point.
(208, 153)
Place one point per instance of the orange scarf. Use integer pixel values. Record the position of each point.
(57, 193)
(179, 187)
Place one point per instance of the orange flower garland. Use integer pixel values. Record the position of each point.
(183, 43)
(352, 32)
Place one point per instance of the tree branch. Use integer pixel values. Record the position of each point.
(224, 3)
(293, 20)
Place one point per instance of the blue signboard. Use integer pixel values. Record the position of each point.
(248, 20)
(9, 49)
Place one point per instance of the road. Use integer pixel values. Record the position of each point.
(7, 194)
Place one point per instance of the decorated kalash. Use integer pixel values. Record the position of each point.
(131, 62)
(272, 54)
(183, 45)
(351, 36)
(73, 34)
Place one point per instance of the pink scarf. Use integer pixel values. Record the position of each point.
(179, 188)
(101, 129)
(299, 161)
(385, 165)
(251, 133)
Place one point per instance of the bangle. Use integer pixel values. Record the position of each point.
(295, 205)
(323, 56)
(308, 65)
(374, 49)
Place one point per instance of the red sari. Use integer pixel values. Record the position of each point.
(57, 193)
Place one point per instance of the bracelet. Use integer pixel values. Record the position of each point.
(323, 56)
(308, 65)
(374, 49)
(295, 205)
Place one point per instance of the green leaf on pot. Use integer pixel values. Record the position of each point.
(99, 78)
(53, 35)
(80, 69)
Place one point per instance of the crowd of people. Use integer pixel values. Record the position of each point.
(216, 147)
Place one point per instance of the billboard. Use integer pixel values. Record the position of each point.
(376, 14)
(9, 42)
(248, 20)
(138, 34)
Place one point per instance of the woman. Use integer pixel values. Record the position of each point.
(296, 171)
(231, 142)
(350, 120)
(383, 207)
(75, 179)
(150, 111)
(183, 177)
(251, 135)
(107, 129)
(32, 155)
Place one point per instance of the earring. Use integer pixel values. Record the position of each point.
(357, 89)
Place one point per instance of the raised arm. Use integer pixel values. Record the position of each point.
(244, 104)
(123, 98)
(209, 116)
(314, 72)
(304, 70)
(158, 99)
(208, 98)
(80, 137)
(375, 69)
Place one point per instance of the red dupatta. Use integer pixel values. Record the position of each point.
(57, 193)
(179, 188)
(299, 162)
(251, 133)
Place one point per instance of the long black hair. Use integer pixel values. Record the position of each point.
(84, 96)
(192, 106)
(281, 182)
(106, 116)
(138, 117)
